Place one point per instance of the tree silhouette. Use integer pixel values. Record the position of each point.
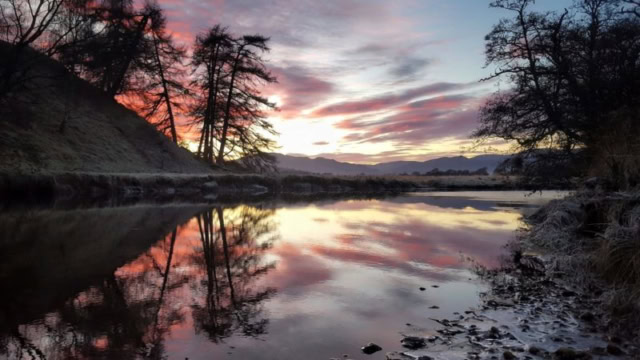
(570, 74)
(163, 88)
(232, 260)
(231, 111)
(43, 25)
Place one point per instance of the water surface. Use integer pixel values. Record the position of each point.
(269, 281)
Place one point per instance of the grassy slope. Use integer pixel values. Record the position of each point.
(100, 135)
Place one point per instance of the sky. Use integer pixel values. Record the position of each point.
(365, 81)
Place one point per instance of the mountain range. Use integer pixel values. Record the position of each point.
(320, 165)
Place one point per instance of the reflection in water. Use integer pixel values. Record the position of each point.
(188, 282)
(230, 258)
(130, 312)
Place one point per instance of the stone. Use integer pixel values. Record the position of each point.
(565, 354)
(570, 354)
(413, 342)
(614, 350)
(535, 350)
(589, 317)
(508, 355)
(406, 356)
(371, 348)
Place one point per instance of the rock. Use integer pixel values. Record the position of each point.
(589, 317)
(406, 356)
(535, 350)
(614, 350)
(570, 354)
(564, 354)
(494, 333)
(435, 286)
(435, 307)
(591, 183)
(508, 355)
(371, 348)
(413, 342)
(422, 289)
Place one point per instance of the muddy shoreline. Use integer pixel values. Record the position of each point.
(95, 188)
(550, 298)
(87, 187)
(529, 312)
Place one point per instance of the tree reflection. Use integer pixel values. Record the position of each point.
(232, 259)
(202, 274)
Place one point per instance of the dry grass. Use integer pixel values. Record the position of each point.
(456, 182)
(99, 135)
(594, 238)
(619, 255)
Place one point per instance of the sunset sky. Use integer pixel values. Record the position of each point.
(365, 81)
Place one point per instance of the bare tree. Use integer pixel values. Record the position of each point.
(163, 77)
(115, 48)
(632, 7)
(230, 72)
(244, 105)
(24, 24)
(568, 72)
(212, 49)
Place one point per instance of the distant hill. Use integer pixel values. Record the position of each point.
(99, 135)
(322, 165)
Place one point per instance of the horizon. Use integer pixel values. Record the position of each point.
(314, 157)
(366, 82)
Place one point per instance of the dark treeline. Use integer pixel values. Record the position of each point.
(572, 103)
(450, 172)
(128, 52)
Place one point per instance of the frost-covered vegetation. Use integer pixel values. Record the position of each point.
(593, 238)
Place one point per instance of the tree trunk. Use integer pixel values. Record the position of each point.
(225, 125)
(225, 246)
(166, 95)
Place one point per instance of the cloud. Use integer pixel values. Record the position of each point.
(292, 23)
(360, 67)
(299, 89)
(388, 100)
(417, 122)
(409, 67)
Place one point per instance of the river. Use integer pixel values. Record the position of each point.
(270, 280)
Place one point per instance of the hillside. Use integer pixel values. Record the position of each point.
(323, 165)
(99, 135)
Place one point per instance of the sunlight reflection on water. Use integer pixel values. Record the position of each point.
(274, 281)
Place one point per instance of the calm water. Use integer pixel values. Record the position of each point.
(269, 281)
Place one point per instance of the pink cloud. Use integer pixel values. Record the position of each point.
(299, 89)
(387, 101)
(416, 122)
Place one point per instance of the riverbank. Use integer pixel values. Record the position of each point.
(567, 291)
(91, 187)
